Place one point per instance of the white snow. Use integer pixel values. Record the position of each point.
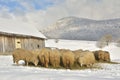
(19, 27)
(10, 71)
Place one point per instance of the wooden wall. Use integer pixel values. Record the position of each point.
(32, 43)
(1, 44)
(9, 43)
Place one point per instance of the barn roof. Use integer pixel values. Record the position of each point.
(19, 28)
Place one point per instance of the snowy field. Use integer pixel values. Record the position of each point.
(10, 71)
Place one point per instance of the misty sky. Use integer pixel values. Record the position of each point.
(43, 13)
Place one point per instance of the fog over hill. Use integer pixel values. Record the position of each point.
(82, 28)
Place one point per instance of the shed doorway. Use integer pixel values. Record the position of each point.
(17, 43)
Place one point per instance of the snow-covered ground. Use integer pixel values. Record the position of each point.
(10, 71)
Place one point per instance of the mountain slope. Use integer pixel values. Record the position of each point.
(84, 29)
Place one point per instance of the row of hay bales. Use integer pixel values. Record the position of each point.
(60, 57)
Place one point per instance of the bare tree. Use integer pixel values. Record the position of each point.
(56, 40)
(108, 39)
(100, 44)
(104, 41)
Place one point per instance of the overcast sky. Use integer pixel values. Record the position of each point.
(43, 13)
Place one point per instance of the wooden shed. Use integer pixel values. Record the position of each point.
(14, 34)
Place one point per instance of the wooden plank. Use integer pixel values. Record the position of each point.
(9, 43)
(1, 44)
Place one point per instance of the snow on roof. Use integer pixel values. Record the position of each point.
(19, 27)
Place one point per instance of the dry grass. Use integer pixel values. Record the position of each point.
(111, 62)
(77, 67)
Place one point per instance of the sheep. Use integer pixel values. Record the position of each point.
(99, 55)
(44, 56)
(102, 55)
(86, 58)
(77, 54)
(27, 56)
(107, 56)
(55, 58)
(67, 58)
